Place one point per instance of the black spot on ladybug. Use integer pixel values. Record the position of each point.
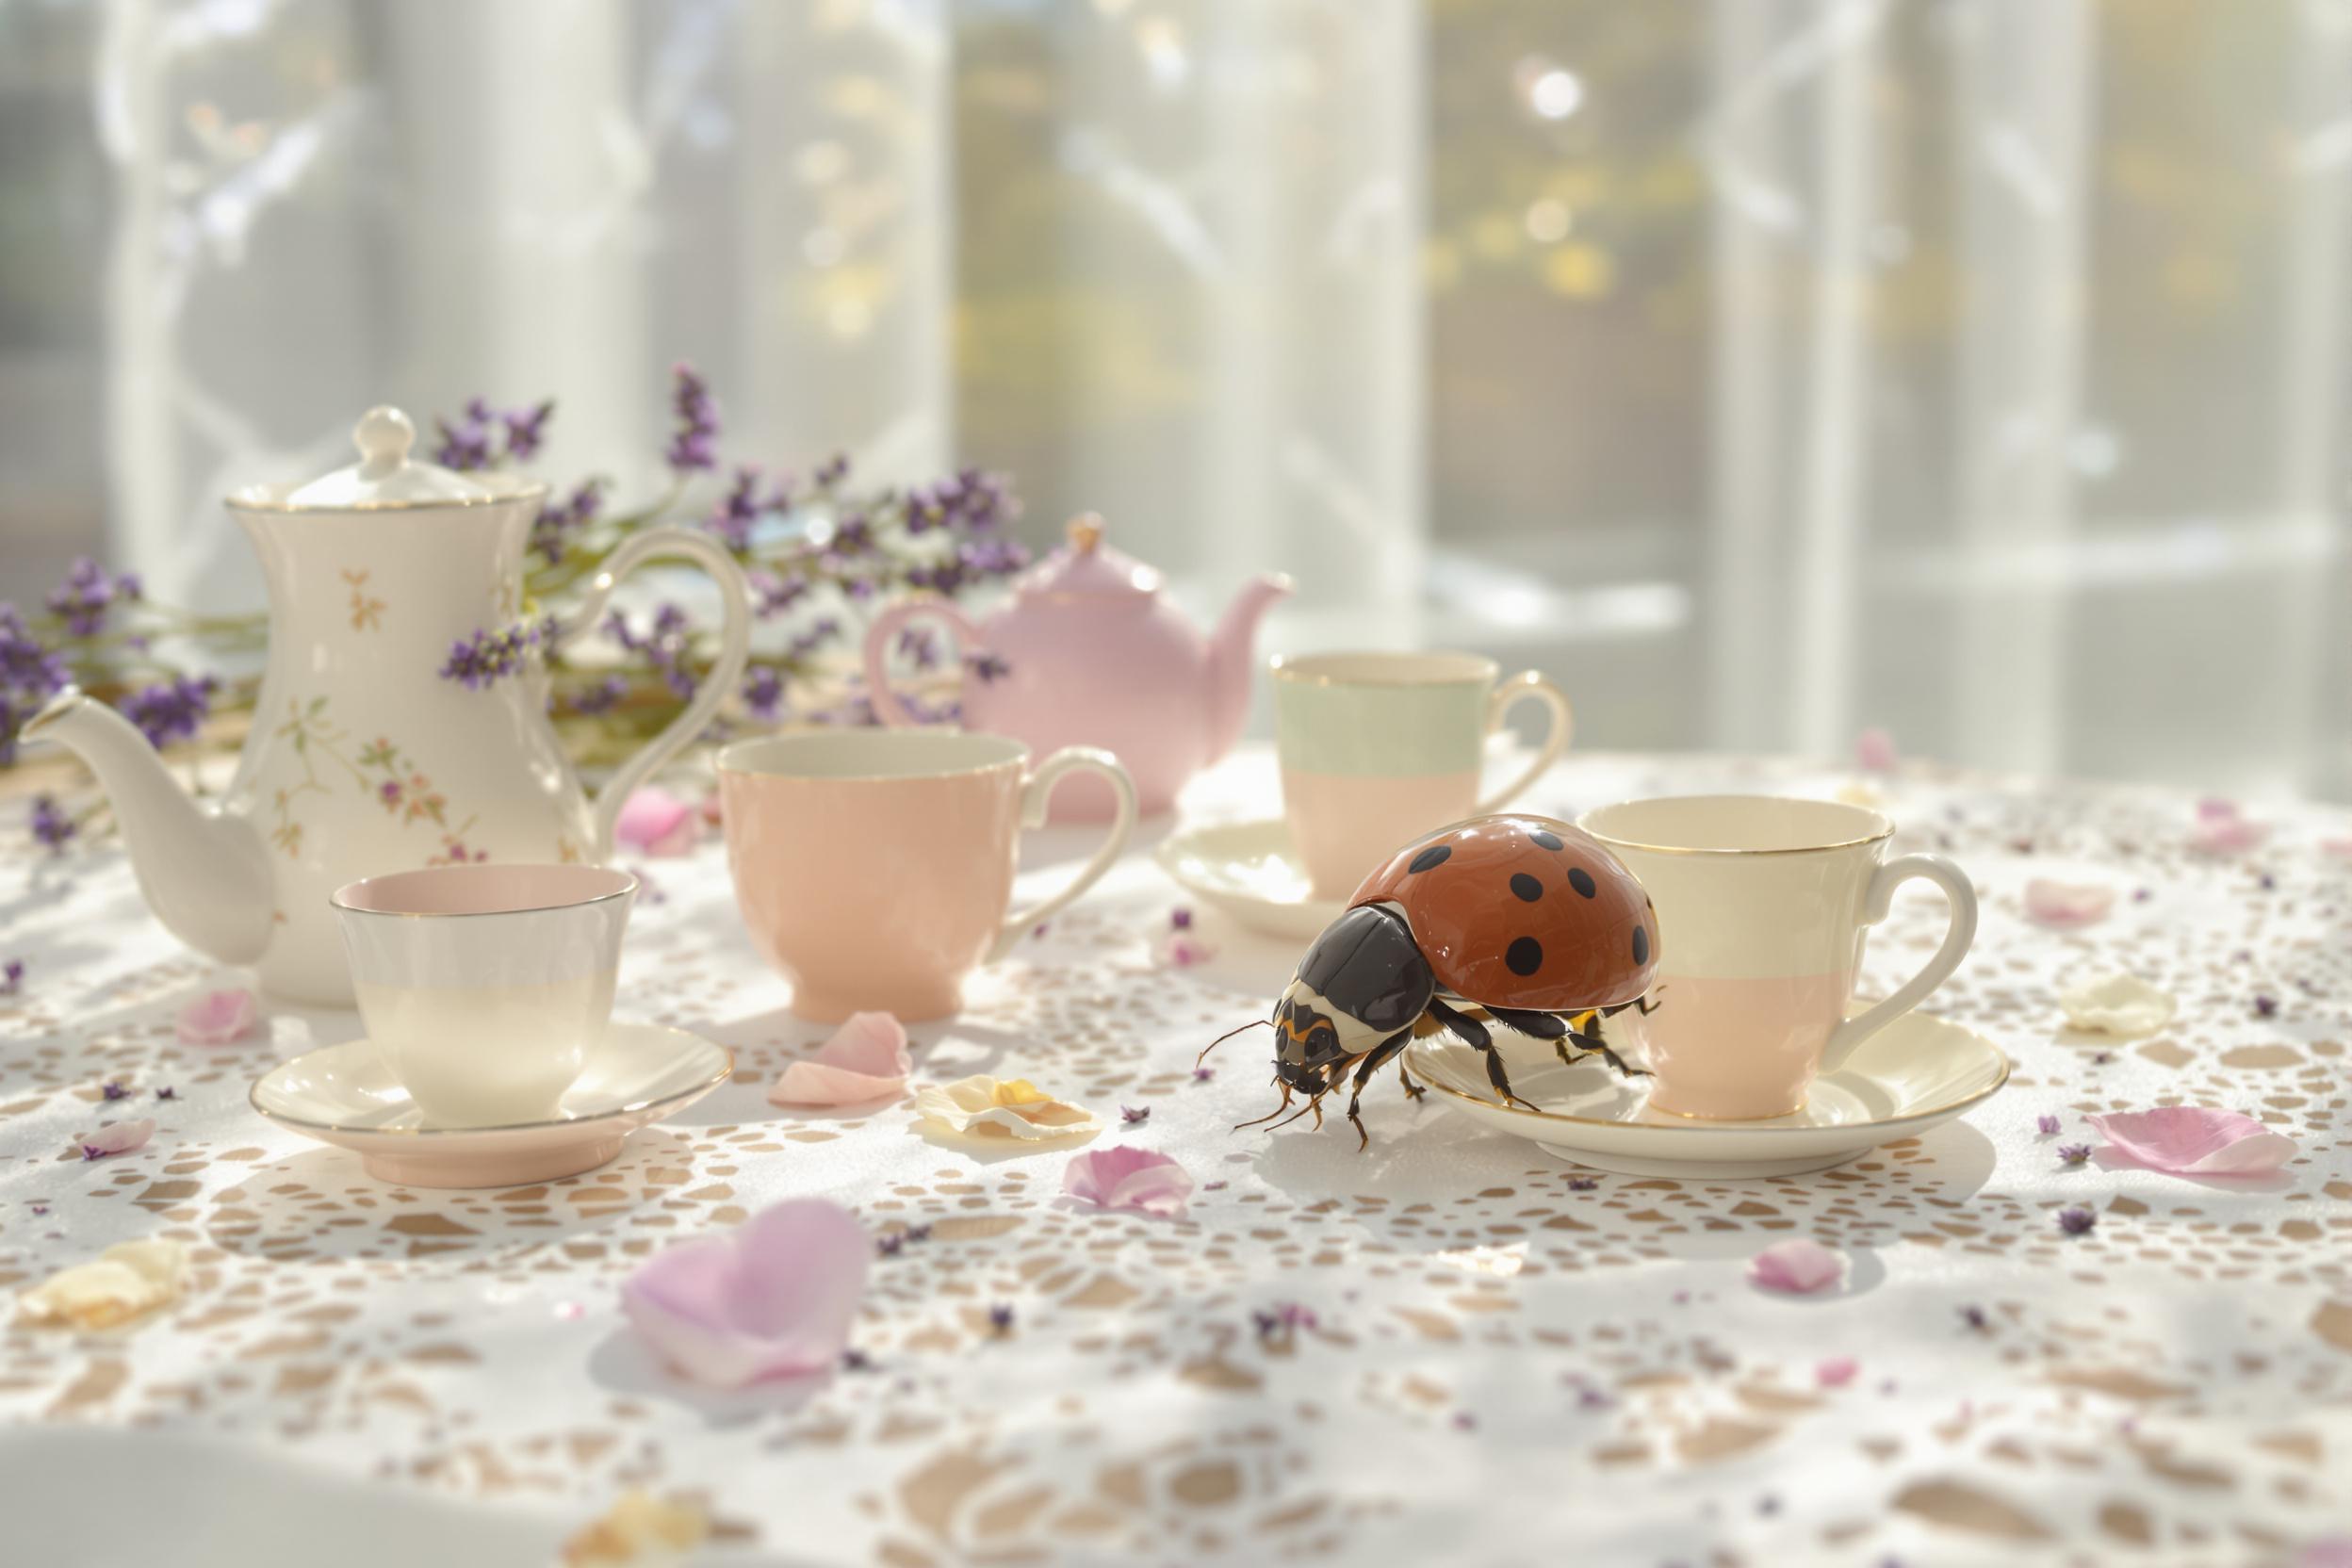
(1640, 947)
(1548, 839)
(1582, 881)
(1436, 855)
(1525, 957)
(1526, 887)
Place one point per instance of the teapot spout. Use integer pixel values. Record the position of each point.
(1232, 659)
(205, 876)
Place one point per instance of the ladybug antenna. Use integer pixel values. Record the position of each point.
(1253, 1023)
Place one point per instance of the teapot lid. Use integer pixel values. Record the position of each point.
(1083, 567)
(387, 477)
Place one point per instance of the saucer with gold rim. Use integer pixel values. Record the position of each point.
(346, 1095)
(1250, 870)
(1917, 1072)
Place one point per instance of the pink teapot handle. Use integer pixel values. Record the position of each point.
(892, 709)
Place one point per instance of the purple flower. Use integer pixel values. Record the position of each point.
(1000, 1319)
(832, 471)
(738, 511)
(30, 675)
(2048, 1123)
(81, 601)
(854, 1360)
(1202, 1074)
(2074, 1221)
(552, 530)
(526, 428)
(464, 446)
(111, 1089)
(487, 657)
(602, 697)
(51, 826)
(1132, 1113)
(1179, 918)
(166, 1092)
(987, 666)
(1583, 1184)
(11, 977)
(2101, 1058)
(692, 446)
(1974, 1317)
(1286, 1317)
(171, 710)
(2074, 1154)
(2265, 1006)
(763, 691)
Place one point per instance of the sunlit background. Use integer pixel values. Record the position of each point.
(1761, 369)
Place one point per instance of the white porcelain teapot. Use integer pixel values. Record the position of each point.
(362, 758)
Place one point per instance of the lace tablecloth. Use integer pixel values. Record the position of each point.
(1496, 1357)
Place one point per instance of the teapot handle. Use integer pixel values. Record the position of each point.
(726, 670)
(887, 704)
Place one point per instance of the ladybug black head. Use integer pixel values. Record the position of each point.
(1361, 981)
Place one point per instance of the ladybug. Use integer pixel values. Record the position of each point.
(1515, 920)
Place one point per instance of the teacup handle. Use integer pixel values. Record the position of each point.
(1033, 796)
(887, 704)
(1961, 894)
(1526, 683)
(727, 670)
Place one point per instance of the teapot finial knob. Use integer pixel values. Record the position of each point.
(384, 436)
(1085, 532)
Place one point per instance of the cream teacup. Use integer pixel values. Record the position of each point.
(874, 867)
(1377, 748)
(485, 986)
(1763, 905)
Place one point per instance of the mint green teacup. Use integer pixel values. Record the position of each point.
(1377, 748)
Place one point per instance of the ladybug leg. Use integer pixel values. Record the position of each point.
(1373, 1061)
(1590, 1043)
(1543, 1026)
(1474, 1032)
(1406, 1078)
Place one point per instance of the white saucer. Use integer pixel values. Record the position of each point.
(1249, 870)
(1917, 1072)
(346, 1095)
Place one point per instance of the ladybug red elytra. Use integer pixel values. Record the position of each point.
(1526, 920)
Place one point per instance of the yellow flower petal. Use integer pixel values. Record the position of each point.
(1018, 1091)
(126, 1282)
(638, 1532)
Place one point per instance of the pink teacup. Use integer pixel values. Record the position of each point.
(874, 866)
(1763, 905)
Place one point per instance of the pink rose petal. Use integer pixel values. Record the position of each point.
(773, 1299)
(1874, 751)
(216, 1018)
(1125, 1177)
(864, 1059)
(1798, 1266)
(657, 823)
(1182, 950)
(2223, 830)
(2067, 905)
(2340, 848)
(1836, 1371)
(118, 1137)
(2189, 1140)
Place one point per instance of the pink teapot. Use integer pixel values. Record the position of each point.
(1091, 653)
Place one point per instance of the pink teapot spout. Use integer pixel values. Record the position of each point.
(1232, 659)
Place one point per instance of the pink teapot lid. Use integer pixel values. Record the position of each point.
(1085, 569)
